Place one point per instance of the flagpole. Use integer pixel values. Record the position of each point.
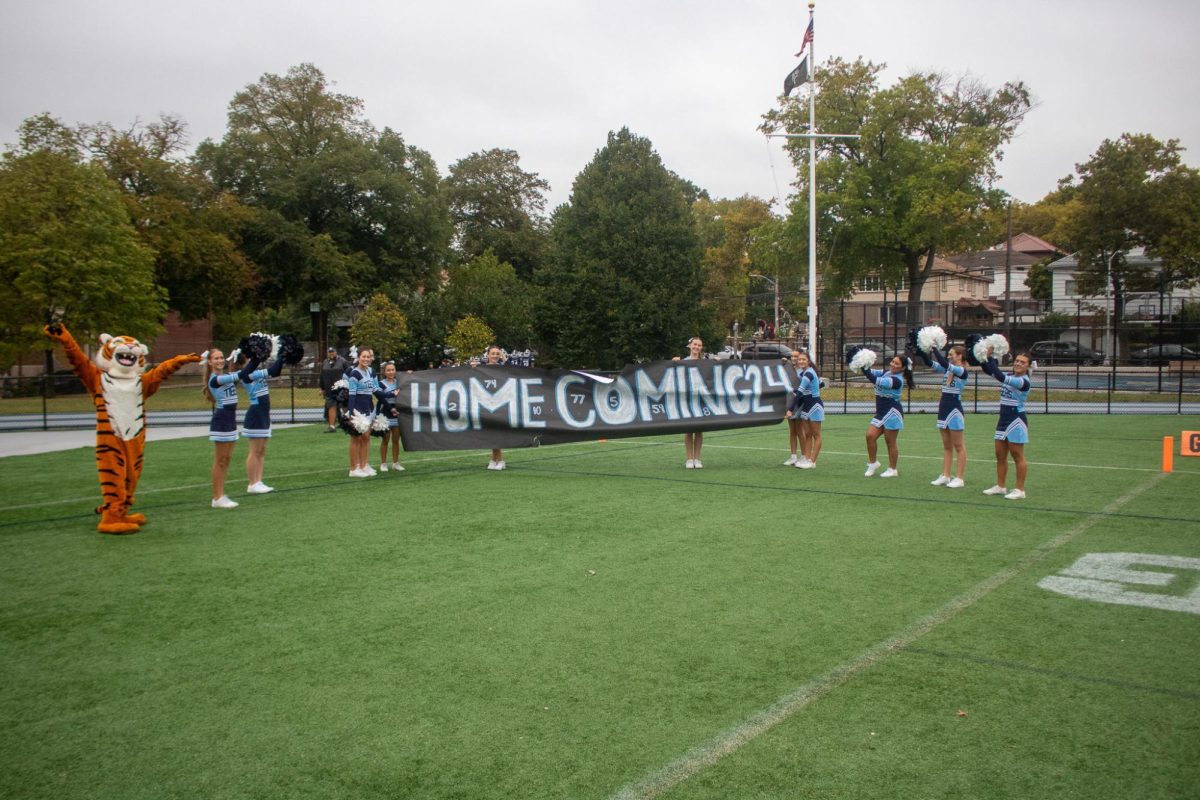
(812, 195)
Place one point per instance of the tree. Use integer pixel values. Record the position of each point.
(489, 289)
(338, 204)
(919, 179)
(498, 206)
(1040, 282)
(192, 226)
(1133, 192)
(623, 282)
(381, 326)
(68, 252)
(729, 231)
(469, 337)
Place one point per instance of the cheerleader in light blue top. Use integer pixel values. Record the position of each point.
(693, 440)
(811, 411)
(889, 412)
(256, 427)
(793, 416)
(363, 389)
(1012, 431)
(220, 389)
(386, 408)
(951, 421)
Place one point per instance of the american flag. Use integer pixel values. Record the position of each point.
(808, 37)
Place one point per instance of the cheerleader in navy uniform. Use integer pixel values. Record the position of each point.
(951, 421)
(793, 416)
(220, 389)
(889, 412)
(256, 427)
(387, 409)
(1012, 431)
(693, 440)
(363, 388)
(812, 413)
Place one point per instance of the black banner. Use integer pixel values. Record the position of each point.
(473, 408)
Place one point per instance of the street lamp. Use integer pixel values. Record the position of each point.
(1109, 343)
(775, 285)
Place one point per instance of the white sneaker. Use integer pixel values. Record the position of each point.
(501, 465)
(803, 463)
(368, 470)
(997, 489)
(1015, 494)
(259, 488)
(689, 464)
(383, 467)
(940, 480)
(224, 502)
(955, 483)
(889, 473)
(791, 460)
(359, 472)
(396, 467)
(697, 463)
(491, 465)
(874, 465)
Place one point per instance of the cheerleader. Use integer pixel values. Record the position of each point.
(889, 412)
(693, 440)
(386, 408)
(793, 415)
(812, 413)
(220, 389)
(257, 425)
(362, 387)
(494, 354)
(1012, 431)
(951, 422)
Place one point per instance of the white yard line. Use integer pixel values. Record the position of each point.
(730, 740)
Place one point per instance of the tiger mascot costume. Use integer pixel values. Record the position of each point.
(119, 389)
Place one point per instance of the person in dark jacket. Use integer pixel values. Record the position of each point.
(332, 370)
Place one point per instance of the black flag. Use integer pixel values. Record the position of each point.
(796, 77)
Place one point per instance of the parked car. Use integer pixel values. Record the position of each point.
(765, 351)
(1051, 352)
(726, 353)
(1163, 354)
(884, 351)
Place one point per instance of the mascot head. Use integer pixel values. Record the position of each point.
(121, 356)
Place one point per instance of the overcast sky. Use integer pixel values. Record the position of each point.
(550, 79)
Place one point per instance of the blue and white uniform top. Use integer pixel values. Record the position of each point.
(257, 424)
(362, 387)
(954, 378)
(223, 387)
(889, 388)
(1014, 391)
(388, 393)
(811, 407)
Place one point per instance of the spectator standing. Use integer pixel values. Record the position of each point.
(332, 370)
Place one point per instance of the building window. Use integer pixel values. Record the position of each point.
(1070, 287)
(871, 283)
(890, 314)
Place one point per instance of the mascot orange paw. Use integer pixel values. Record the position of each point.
(136, 519)
(115, 524)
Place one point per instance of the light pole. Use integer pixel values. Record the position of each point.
(1109, 344)
(774, 285)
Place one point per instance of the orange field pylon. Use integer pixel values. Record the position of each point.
(1168, 460)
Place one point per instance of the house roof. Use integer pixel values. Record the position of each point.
(993, 260)
(968, 304)
(1029, 244)
(1134, 257)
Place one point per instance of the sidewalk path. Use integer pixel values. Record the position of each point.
(26, 443)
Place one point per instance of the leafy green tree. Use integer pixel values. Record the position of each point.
(1134, 192)
(1056, 322)
(381, 326)
(624, 279)
(489, 289)
(498, 206)
(68, 252)
(469, 336)
(339, 205)
(729, 230)
(192, 227)
(919, 179)
(1040, 282)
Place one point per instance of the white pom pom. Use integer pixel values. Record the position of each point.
(341, 384)
(931, 337)
(380, 423)
(360, 421)
(998, 344)
(863, 359)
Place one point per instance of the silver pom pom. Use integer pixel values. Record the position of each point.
(380, 423)
(863, 359)
(931, 337)
(360, 422)
(996, 342)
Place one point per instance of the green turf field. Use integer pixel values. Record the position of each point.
(598, 622)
